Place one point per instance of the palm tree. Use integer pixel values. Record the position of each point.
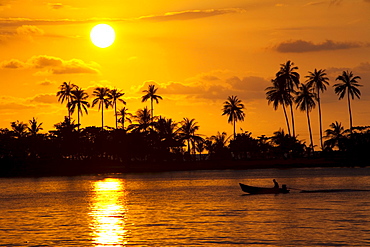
(233, 107)
(278, 95)
(335, 135)
(114, 95)
(317, 81)
(143, 119)
(348, 85)
(35, 127)
(65, 93)
(79, 97)
(187, 131)
(102, 97)
(151, 94)
(290, 78)
(19, 128)
(305, 102)
(125, 116)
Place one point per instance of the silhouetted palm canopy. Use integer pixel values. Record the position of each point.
(125, 116)
(187, 131)
(79, 97)
(233, 108)
(318, 81)
(114, 95)
(35, 127)
(305, 101)
(151, 94)
(220, 140)
(19, 128)
(278, 95)
(143, 119)
(348, 85)
(335, 135)
(290, 78)
(65, 93)
(167, 131)
(102, 97)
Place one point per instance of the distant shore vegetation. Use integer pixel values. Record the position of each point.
(145, 138)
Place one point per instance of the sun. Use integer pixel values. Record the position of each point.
(102, 35)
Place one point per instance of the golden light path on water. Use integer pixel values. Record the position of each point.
(108, 212)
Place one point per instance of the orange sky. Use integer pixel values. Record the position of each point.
(196, 52)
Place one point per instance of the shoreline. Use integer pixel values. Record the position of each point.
(95, 167)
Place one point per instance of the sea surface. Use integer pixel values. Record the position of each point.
(191, 208)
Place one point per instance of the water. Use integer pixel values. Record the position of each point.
(197, 208)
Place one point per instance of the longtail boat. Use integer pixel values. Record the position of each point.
(261, 190)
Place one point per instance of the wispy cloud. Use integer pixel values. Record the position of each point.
(191, 14)
(55, 5)
(215, 85)
(53, 65)
(169, 16)
(299, 46)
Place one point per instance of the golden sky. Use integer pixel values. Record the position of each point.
(197, 52)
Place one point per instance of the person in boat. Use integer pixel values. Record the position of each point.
(276, 185)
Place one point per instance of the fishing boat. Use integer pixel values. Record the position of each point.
(261, 190)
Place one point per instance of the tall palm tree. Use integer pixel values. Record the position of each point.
(19, 128)
(305, 101)
(335, 135)
(290, 78)
(35, 127)
(65, 93)
(102, 98)
(187, 131)
(348, 85)
(278, 95)
(151, 94)
(143, 119)
(125, 116)
(220, 140)
(114, 95)
(318, 81)
(79, 97)
(233, 108)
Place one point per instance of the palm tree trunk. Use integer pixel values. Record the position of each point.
(292, 114)
(350, 112)
(151, 103)
(123, 121)
(234, 129)
(102, 116)
(309, 129)
(115, 113)
(320, 121)
(69, 111)
(286, 119)
(78, 118)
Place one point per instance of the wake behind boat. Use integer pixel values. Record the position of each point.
(261, 190)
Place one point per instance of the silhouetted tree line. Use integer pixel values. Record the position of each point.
(149, 139)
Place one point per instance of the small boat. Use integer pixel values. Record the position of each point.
(260, 190)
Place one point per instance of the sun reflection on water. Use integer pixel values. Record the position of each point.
(108, 211)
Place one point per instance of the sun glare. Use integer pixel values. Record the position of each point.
(102, 35)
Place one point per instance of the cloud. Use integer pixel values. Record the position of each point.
(215, 85)
(13, 64)
(299, 46)
(46, 82)
(169, 16)
(30, 30)
(44, 99)
(191, 14)
(53, 65)
(55, 5)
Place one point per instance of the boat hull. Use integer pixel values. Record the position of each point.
(260, 190)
